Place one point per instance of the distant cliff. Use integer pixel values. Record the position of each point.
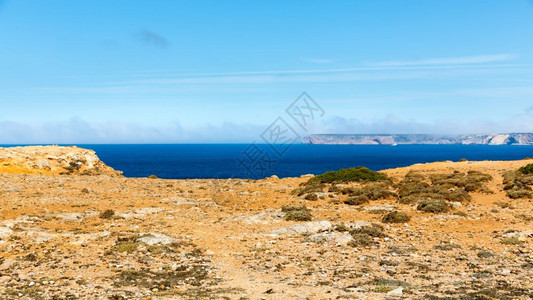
(405, 139)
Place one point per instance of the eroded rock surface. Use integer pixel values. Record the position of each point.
(52, 160)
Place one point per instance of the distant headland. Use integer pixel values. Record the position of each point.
(406, 139)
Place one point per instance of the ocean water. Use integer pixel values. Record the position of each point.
(221, 160)
(180, 161)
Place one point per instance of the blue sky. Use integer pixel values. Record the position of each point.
(222, 71)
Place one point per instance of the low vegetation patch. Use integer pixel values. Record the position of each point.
(311, 197)
(370, 192)
(510, 241)
(125, 244)
(395, 217)
(358, 174)
(193, 275)
(472, 181)
(360, 240)
(296, 213)
(364, 236)
(527, 170)
(342, 228)
(415, 188)
(313, 188)
(374, 230)
(107, 214)
(485, 254)
(517, 184)
(433, 206)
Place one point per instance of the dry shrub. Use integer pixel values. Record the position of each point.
(296, 213)
(314, 188)
(433, 206)
(517, 184)
(472, 181)
(450, 187)
(395, 217)
(364, 236)
(370, 192)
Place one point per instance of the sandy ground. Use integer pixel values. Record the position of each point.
(228, 239)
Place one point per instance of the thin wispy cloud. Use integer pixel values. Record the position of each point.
(151, 38)
(460, 60)
(471, 62)
(163, 83)
(322, 75)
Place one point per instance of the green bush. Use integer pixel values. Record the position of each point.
(528, 170)
(395, 217)
(358, 174)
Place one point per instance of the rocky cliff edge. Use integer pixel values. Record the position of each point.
(52, 160)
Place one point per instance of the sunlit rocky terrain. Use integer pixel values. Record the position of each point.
(73, 228)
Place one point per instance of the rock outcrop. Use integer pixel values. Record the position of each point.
(53, 160)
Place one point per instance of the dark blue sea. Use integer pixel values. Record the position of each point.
(245, 161)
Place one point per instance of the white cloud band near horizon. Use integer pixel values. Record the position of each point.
(78, 131)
